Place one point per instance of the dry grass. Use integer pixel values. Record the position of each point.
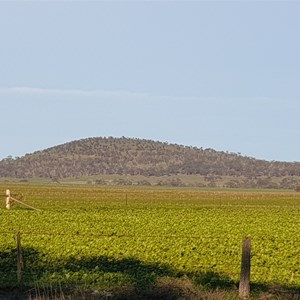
(166, 288)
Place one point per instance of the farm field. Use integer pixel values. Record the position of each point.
(115, 240)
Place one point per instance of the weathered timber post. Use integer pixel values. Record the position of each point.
(8, 199)
(244, 287)
(20, 261)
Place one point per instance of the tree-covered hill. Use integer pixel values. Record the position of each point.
(126, 156)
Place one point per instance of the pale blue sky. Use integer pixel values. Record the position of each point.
(211, 74)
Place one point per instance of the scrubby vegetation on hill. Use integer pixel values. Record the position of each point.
(126, 156)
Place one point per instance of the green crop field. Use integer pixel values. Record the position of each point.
(108, 239)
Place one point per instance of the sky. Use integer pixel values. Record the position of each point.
(211, 74)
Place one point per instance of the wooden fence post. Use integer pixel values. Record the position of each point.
(244, 287)
(20, 261)
(8, 199)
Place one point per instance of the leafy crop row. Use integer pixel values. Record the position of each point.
(115, 237)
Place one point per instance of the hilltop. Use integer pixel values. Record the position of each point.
(127, 156)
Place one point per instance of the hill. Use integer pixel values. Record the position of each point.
(126, 156)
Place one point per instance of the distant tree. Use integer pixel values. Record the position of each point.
(8, 158)
(144, 182)
(55, 179)
(232, 184)
(100, 181)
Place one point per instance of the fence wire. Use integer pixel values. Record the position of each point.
(215, 264)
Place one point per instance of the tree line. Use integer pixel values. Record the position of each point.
(126, 156)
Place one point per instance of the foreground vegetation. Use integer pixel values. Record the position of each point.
(150, 243)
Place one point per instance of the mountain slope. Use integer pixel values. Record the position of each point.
(124, 156)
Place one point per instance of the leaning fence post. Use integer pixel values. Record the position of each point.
(244, 287)
(8, 199)
(20, 261)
